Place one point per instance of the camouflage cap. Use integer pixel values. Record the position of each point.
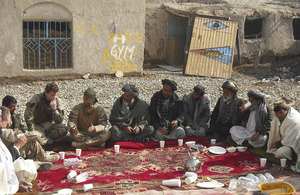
(90, 93)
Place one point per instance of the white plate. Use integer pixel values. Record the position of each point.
(217, 150)
(210, 185)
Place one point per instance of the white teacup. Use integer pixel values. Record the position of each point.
(180, 142)
(213, 142)
(162, 144)
(263, 162)
(283, 162)
(62, 155)
(172, 182)
(78, 152)
(117, 148)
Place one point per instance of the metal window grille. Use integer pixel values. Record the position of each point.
(47, 45)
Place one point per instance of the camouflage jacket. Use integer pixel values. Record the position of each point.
(18, 122)
(101, 119)
(38, 110)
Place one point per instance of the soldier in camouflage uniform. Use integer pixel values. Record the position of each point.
(87, 122)
(44, 115)
(30, 150)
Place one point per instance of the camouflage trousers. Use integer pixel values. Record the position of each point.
(48, 132)
(118, 134)
(85, 138)
(33, 150)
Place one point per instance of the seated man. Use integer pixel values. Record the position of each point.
(10, 179)
(130, 117)
(225, 113)
(196, 108)
(87, 122)
(44, 115)
(255, 126)
(26, 145)
(284, 138)
(166, 112)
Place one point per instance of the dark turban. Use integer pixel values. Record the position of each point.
(90, 93)
(131, 89)
(256, 95)
(171, 83)
(199, 89)
(231, 86)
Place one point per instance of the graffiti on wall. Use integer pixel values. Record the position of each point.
(86, 28)
(121, 51)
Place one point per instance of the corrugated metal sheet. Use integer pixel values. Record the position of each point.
(212, 48)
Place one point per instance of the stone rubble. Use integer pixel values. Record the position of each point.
(108, 88)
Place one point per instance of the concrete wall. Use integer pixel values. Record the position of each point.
(102, 32)
(277, 33)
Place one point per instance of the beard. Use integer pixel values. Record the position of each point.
(128, 102)
(227, 98)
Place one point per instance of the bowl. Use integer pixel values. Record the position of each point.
(231, 149)
(282, 188)
(241, 148)
(190, 143)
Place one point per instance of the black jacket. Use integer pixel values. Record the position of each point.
(175, 109)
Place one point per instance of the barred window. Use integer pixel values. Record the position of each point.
(47, 45)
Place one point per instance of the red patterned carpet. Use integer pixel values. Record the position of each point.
(142, 169)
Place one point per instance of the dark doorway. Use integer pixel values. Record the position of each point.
(296, 28)
(176, 37)
(252, 28)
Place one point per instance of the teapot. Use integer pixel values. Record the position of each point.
(193, 164)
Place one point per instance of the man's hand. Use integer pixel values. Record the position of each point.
(163, 130)
(255, 137)
(195, 126)
(21, 142)
(23, 188)
(273, 146)
(174, 124)
(128, 129)
(91, 128)
(74, 130)
(136, 130)
(53, 105)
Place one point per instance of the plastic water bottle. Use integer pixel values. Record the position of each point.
(262, 178)
(269, 177)
(71, 161)
(81, 177)
(253, 177)
(233, 184)
(244, 180)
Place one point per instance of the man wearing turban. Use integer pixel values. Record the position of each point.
(87, 122)
(255, 123)
(166, 112)
(225, 113)
(196, 112)
(130, 117)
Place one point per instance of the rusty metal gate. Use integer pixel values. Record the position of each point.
(212, 48)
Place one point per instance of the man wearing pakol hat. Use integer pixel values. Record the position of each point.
(284, 138)
(166, 112)
(255, 123)
(225, 113)
(196, 106)
(130, 117)
(44, 116)
(87, 122)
